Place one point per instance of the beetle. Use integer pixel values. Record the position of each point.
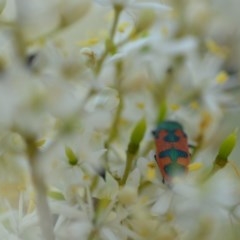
(172, 152)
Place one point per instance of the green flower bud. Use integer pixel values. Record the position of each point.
(72, 158)
(162, 112)
(56, 195)
(137, 136)
(225, 150)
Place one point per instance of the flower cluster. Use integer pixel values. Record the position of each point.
(83, 84)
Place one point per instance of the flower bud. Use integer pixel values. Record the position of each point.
(72, 158)
(137, 136)
(37, 17)
(225, 150)
(72, 10)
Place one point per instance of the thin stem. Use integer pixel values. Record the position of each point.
(212, 172)
(92, 235)
(116, 120)
(44, 214)
(127, 169)
(43, 209)
(113, 131)
(117, 11)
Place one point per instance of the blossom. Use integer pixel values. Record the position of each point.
(42, 17)
(39, 18)
(79, 102)
(133, 4)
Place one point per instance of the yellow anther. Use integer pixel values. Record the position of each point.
(175, 107)
(89, 42)
(194, 105)
(86, 177)
(194, 166)
(31, 203)
(222, 77)
(140, 105)
(216, 49)
(109, 16)
(169, 216)
(124, 121)
(164, 31)
(40, 142)
(206, 120)
(151, 172)
(122, 26)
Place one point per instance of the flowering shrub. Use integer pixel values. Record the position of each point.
(82, 85)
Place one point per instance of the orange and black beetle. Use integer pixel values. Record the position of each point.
(172, 154)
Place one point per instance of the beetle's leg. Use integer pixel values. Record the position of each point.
(191, 146)
(192, 149)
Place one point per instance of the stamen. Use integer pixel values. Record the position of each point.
(151, 172)
(195, 166)
(222, 77)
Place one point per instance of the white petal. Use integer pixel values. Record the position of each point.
(66, 211)
(182, 46)
(108, 234)
(154, 6)
(162, 204)
(37, 17)
(72, 10)
(134, 178)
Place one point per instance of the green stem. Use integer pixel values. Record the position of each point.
(117, 11)
(92, 235)
(44, 214)
(214, 169)
(113, 131)
(114, 127)
(127, 169)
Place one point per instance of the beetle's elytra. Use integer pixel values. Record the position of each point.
(172, 153)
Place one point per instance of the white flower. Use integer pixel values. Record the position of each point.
(211, 202)
(59, 61)
(134, 4)
(62, 175)
(80, 106)
(73, 10)
(37, 17)
(214, 199)
(21, 96)
(20, 224)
